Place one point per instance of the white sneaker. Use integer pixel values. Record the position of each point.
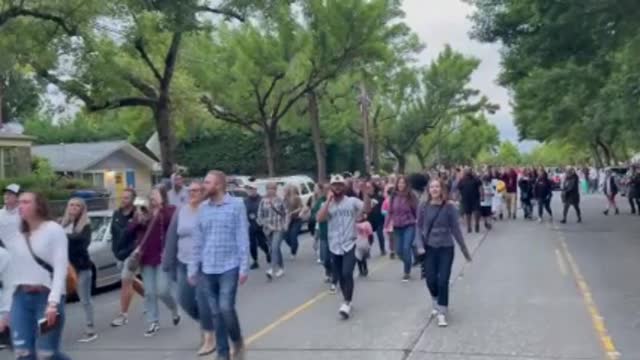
(121, 320)
(434, 313)
(345, 311)
(442, 320)
(279, 273)
(333, 289)
(540, 220)
(269, 274)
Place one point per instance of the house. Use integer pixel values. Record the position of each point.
(15, 155)
(113, 165)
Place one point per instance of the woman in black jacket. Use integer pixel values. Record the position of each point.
(78, 228)
(543, 192)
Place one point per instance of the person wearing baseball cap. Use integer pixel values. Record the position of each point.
(341, 213)
(10, 210)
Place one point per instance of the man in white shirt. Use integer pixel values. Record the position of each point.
(178, 194)
(9, 213)
(341, 213)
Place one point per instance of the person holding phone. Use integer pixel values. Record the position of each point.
(341, 213)
(39, 261)
(436, 229)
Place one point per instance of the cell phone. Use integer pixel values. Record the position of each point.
(44, 327)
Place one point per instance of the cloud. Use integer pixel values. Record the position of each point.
(442, 22)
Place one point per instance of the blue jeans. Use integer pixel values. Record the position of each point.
(325, 256)
(221, 292)
(157, 285)
(404, 239)
(274, 240)
(292, 235)
(85, 282)
(193, 300)
(26, 309)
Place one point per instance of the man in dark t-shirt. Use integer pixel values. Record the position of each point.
(470, 188)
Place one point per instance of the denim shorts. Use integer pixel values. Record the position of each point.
(125, 273)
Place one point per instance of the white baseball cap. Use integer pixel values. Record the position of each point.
(337, 179)
(13, 188)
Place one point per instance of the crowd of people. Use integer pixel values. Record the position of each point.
(190, 247)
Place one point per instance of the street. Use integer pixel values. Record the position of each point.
(533, 291)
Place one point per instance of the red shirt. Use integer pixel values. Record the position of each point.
(154, 245)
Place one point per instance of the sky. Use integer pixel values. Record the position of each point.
(441, 22)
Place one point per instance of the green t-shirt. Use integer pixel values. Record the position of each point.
(323, 229)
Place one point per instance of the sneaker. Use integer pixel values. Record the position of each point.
(540, 220)
(442, 320)
(617, 211)
(279, 273)
(580, 221)
(239, 352)
(327, 280)
(392, 255)
(269, 274)
(153, 329)
(406, 278)
(121, 320)
(176, 319)
(606, 212)
(434, 313)
(254, 266)
(563, 221)
(477, 228)
(333, 289)
(345, 311)
(89, 336)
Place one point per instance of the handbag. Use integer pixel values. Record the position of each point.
(72, 275)
(133, 261)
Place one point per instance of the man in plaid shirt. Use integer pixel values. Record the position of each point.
(272, 215)
(221, 257)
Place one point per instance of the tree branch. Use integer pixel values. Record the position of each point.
(139, 84)
(139, 45)
(170, 63)
(227, 116)
(18, 11)
(227, 13)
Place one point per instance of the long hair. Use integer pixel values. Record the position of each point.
(42, 212)
(408, 192)
(164, 195)
(444, 191)
(81, 221)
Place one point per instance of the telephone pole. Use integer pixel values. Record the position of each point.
(365, 103)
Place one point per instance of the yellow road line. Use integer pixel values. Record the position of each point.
(561, 263)
(596, 318)
(291, 314)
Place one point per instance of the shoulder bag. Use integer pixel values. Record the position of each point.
(72, 276)
(133, 261)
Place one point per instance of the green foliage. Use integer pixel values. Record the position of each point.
(507, 154)
(556, 154)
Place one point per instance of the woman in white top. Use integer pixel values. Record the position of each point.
(38, 280)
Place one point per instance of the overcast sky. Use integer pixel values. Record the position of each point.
(441, 22)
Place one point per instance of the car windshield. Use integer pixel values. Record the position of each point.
(100, 227)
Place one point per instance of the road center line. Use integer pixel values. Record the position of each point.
(561, 263)
(308, 304)
(596, 318)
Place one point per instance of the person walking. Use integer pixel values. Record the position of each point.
(437, 228)
(571, 195)
(611, 191)
(272, 216)
(295, 207)
(525, 184)
(322, 233)
(341, 213)
(376, 219)
(402, 214)
(388, 225)
(470, 188)
(257, 238)
(488, 192)
(177, 256)
(543, 192)
(150, 227)
(78, 228)
(634, 190)
(221, 259)
(510, 178)
(9, 212)
(123, 243)
(39, 261)
(178, 195)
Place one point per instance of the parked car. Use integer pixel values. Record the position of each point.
(105, 265)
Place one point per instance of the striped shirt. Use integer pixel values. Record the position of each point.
(272, 214)
(220, 237)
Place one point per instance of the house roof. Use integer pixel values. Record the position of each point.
(12, 136)
(82, 156)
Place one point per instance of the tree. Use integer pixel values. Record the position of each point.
(441, 95)
(128, 57)
(282, 58)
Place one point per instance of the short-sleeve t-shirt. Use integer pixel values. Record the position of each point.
(342, 224)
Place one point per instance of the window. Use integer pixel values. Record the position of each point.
(100, 226)
(95, 179)
(8, 162)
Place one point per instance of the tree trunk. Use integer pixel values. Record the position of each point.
(375, 143)
(402, 163)
(422, 158)
(270, 146)
(166, 137)
(364, 109)
(1, 101)
(316, 134)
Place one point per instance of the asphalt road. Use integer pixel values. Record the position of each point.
(533, 291)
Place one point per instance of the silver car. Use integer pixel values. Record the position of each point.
(106, 271)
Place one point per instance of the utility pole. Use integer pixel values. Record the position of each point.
(365, 103)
